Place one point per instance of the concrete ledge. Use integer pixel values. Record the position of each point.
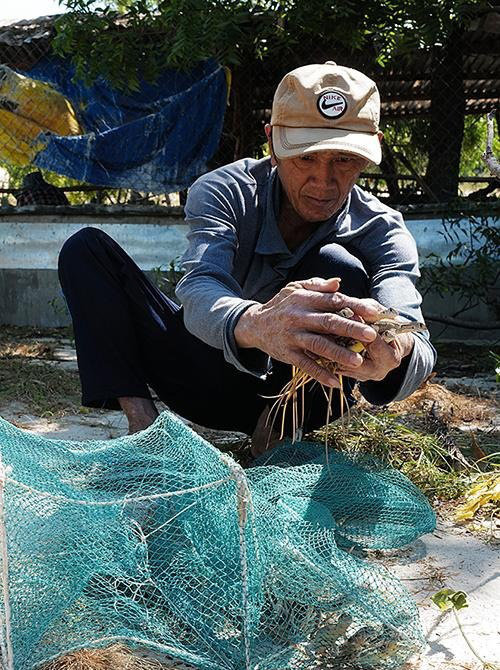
(24, 245)
(30, 243)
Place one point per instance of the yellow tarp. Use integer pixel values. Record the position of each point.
(28, 108)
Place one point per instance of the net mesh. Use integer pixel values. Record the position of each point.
(161, 541)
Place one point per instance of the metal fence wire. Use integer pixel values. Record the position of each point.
(434, 106)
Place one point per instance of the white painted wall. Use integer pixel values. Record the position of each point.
(35, 246)
(29, 246)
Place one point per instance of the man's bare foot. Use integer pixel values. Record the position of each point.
(140, 413)
(264, 436)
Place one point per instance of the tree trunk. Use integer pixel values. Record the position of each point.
(447, 119)
(388, 167)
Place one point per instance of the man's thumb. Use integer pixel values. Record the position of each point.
(319, 284)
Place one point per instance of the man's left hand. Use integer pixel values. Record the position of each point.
(381, 357)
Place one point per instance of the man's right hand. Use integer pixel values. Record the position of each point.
(299, 324)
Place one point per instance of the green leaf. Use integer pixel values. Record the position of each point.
(442, 599)
(459, 600)
(447, 599)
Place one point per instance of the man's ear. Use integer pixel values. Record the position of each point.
(268, 128)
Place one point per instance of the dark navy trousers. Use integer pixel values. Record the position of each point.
(130, 337)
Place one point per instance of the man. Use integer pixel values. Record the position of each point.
(276, 248)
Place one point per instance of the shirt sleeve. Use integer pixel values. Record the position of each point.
(391, 255)
(211, 297)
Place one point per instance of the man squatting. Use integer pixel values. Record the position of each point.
(276, 247)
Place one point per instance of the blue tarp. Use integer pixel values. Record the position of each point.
(158, 139)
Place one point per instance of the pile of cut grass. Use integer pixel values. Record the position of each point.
(430, 460)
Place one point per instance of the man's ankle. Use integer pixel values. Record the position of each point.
(140, 412)
(264, 436)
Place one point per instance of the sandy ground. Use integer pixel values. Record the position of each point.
(453, 558)
(450, 557)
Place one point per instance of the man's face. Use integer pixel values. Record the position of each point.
(318, 183)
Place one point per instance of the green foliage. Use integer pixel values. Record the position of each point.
(130, 38)
(424, 458)
(139, 38)
(474, 145)
(167, 279)
(410, 138)
(496, 361)
(472, 267)
(447, 599)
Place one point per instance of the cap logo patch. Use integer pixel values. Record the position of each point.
(332, 104)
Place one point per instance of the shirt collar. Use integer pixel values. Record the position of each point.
(270, 241)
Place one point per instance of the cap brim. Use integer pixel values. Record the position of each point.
(289, 142)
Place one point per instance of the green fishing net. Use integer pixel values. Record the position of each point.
(161, 541)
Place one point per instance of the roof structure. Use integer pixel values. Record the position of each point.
(23, 43)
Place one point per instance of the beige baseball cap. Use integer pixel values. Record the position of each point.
(325, 107)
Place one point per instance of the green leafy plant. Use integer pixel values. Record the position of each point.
(129, 38)
(448, 599)
(167, 279)
(471, 269)
(496, 360)
(427, 459)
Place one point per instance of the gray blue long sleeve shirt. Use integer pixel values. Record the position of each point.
(236, 257)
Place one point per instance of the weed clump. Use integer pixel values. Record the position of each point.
(431, 461)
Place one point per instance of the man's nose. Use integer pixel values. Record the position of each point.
(324, 175)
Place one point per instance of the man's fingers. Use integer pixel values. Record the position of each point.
(380, 359)
(324, 347)
(363, 373)
(318, 284)
(322, 301)
(368, 309)
(315, 297)
(314, 370)
(336, 325)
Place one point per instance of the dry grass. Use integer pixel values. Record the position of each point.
(43, 389)
(115, 657)
(13, 349)
(450, 406)
(432, 460)
(27, 377)
(468, 423)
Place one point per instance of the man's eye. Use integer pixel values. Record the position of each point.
(304, 161)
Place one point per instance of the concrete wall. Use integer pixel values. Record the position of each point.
(30, 293)
(29, 245)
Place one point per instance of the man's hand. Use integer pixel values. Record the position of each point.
(298, 326)
(381, 357)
